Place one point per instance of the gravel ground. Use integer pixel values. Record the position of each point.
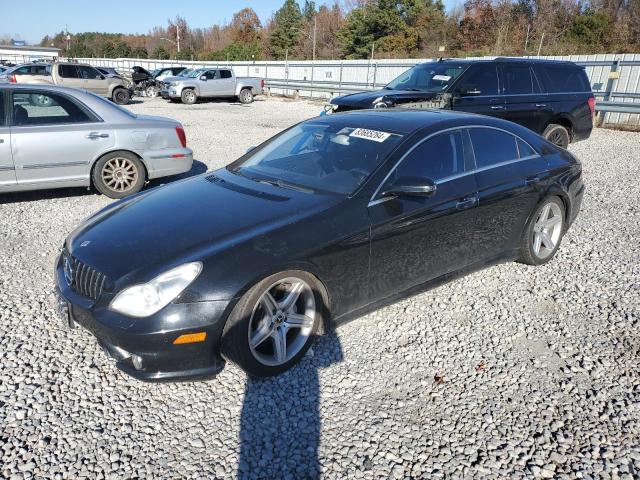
(511, 372)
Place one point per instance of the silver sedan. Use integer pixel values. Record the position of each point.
(52, 137)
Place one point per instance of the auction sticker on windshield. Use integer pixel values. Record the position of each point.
(374, 135)
(442, 78)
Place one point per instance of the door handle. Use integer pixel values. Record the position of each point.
(94, 135)
(532, 180)
(497, 107)
(541, 105)
(467, 202)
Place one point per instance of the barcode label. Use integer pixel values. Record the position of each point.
(374, 135)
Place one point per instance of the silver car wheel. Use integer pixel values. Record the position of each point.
(282, 321)
(547, 230)
(152, 91)
(190, 96)
(119, 174)
(245, 96)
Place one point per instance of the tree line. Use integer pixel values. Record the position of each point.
(358, 29)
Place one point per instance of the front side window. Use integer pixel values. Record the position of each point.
(430, 77)
(519, 80)
(211, 74)
(22, 71)
(332, 157)
(196, 73)
(435, 159)
(68, 71)
(492, 146)
(225, 74)
(480, 80)
(88, 73)
(32, 108)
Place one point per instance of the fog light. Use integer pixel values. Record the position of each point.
(137, 361)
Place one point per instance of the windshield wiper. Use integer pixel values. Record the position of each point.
(412, 89)
(282, 184)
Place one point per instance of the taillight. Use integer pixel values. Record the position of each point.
(181, 136)
(12, 79)
(592, 104)
(262, 83)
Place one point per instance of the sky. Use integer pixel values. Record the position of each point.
(31, 20)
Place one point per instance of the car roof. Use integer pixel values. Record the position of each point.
(468, 61)
(405, 121)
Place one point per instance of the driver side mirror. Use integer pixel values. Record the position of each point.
(203, 78)
(411, 187)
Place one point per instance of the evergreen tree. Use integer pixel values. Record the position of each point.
(284, 36)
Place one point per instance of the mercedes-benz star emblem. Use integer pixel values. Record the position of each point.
(68, 270)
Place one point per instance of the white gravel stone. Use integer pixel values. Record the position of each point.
(559, 395)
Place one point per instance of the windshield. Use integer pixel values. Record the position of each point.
(326, 157)
(195, 73)
(431, 77)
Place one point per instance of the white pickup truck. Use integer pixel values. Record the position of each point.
(211, 83)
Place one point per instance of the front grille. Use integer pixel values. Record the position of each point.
(85, 280)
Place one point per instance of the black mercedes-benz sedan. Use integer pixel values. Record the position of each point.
(331, 218)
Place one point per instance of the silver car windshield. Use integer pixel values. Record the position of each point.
(195, 73)
(325, 157)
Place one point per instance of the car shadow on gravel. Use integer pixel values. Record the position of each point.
(280, 424)
(197, 168)
(35, 195)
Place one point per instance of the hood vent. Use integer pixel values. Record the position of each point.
(247, 191)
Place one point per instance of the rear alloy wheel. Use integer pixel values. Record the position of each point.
(246, 96)
(188, 96)
(544, 232)
(273, 324)
(121, 96)
(118, 175)
(557, 134)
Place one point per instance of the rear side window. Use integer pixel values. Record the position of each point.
(31, 108)
(565, 79)
(480, 80)
(225, 73)
(524, 149)
(492, 146)
(68, 71)
(22, 71)
(437, 158)
(519, 80)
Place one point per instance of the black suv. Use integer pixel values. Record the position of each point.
(551, 98)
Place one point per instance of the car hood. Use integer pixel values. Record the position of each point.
(186, 221)
(367, 99)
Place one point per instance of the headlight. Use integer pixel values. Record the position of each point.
(148, 298)
(173, 84)
(380, 105)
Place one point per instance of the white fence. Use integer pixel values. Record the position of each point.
(614, 78)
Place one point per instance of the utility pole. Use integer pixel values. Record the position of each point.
(178, 36)
(540, 47)
(314, 36)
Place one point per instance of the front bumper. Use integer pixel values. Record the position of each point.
(149, 341)
(171, 92)
(163, 163)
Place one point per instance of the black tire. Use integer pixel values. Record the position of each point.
(188, 96)
(557, 134)
(40, 100)
(235, 337)
(528, 253)
(121, 96)
(100, 178)
(246, 96)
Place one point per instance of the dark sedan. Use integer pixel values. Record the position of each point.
(331, 218)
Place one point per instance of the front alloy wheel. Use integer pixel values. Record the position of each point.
(282, 321)
(273, 324)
